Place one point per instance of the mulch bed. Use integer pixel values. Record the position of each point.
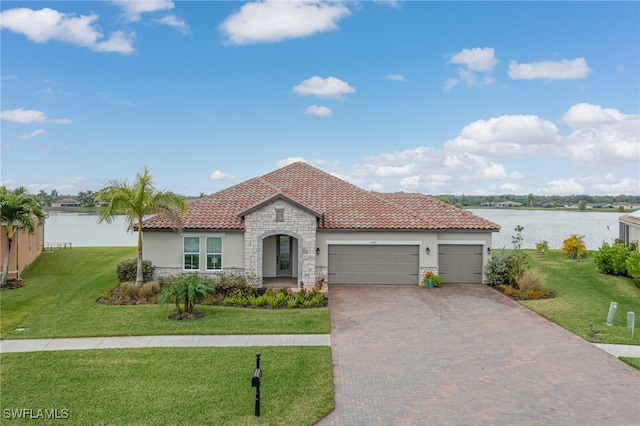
(12, 284)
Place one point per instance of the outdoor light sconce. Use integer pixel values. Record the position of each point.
(488, 250)
(428, 250)
(317, 251)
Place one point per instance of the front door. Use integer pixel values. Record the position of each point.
(283, 259)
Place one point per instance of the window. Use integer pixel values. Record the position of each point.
(191, 252)
(32, 238)
(279, 215)
(214, 253)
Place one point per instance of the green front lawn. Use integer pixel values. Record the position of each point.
(171, 386)
(583, 296)
(59, 300)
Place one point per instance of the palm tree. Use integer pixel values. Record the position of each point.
(137, 201)
(18, 210)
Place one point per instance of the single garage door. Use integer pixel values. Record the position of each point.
(460, 263)
(373, 264)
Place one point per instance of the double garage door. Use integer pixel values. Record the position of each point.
(373, 264)
(399, 264)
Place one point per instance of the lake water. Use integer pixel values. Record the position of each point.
(553, 226)
(83, 229)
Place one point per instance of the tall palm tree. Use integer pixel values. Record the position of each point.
(137, 201)
(18, 210)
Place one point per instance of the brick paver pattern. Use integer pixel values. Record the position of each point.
(466, 354)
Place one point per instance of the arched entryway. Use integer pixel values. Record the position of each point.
(280, 256)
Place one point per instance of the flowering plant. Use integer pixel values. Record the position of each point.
(430, 275)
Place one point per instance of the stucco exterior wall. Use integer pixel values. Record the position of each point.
(164, 250)
(25, 248)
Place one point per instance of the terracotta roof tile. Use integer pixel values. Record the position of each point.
(341, 204)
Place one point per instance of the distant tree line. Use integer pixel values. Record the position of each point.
(531, 200)
(86, 198)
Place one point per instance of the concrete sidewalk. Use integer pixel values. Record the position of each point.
(79, 343)
(629, 351)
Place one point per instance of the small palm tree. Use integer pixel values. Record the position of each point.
(18, 210)
(189, 288)
(136, 202)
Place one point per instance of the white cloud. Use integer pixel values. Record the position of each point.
(395, 170)
(175, 22)
(134, 9)
(321, 111)
(220, 175)
(476, 59)
(33, 134)
(22, 115)
(602, 136)
(486, 157)
(395, 77)
(564, 69)
(47, 24)
(276, 20)
(476, 64)
(508, 135)
(450, 84)
(329, 87)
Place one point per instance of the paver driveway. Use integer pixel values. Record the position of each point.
(466, 354)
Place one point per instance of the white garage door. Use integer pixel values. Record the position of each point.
(460, 263)
(373, 264)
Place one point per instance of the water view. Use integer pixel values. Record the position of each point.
(83, 229)
(553, 226)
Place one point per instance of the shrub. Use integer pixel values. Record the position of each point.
(542, 247)
(128, 269)
(531, 279)
(612, 259)
(574, 246)
(633, 266)
(226, 284)
(499, 270)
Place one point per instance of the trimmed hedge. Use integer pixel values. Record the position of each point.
(128, 269)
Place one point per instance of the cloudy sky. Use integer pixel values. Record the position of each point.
(432, 97)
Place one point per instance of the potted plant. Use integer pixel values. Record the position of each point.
(431, 280)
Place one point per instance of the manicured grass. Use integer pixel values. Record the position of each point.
(634, 362)
(583, 296)
(59, 300)
(172, 386)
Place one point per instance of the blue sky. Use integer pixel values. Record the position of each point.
(432, 97)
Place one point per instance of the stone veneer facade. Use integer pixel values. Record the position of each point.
(297, 223)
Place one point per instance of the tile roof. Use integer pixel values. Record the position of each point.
(633, 218)
(340, 204)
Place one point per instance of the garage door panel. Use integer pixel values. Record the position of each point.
(460, 263)
(373, 264)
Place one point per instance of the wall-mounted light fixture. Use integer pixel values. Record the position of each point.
(317, 251)
(428, 250)
(488, 250)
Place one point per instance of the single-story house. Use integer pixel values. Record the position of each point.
(65, 202)
(630, 229)
(301, 222)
